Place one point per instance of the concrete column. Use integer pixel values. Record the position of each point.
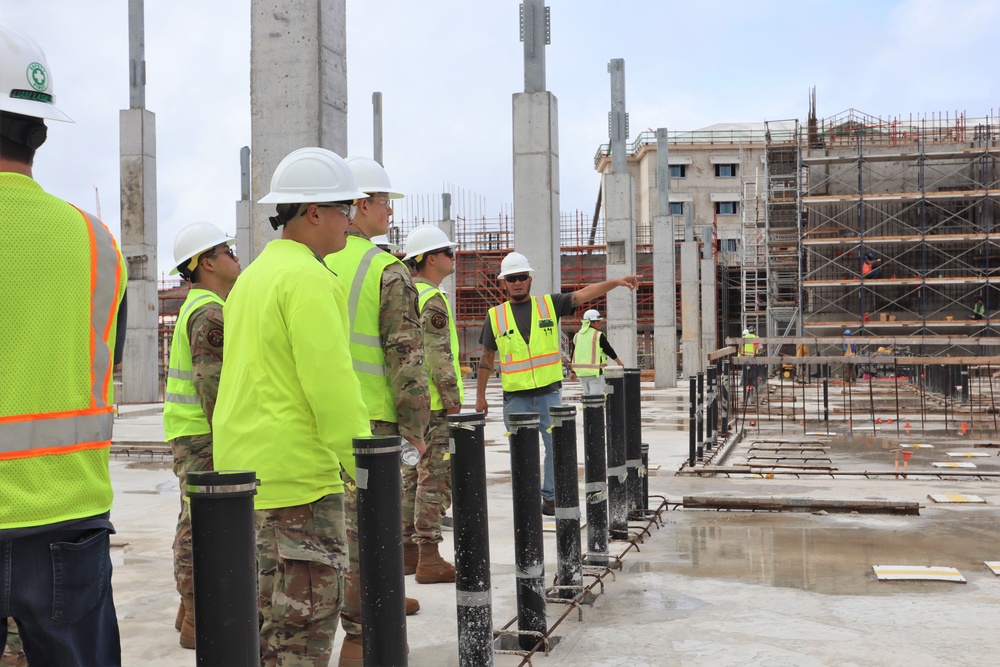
(619, 224)
(664, 274)
(298, 90)
(244, 209)
(536, 187)
(709, 303)
(690, 310)
(447, 225)
(137, 149)
(377, 127)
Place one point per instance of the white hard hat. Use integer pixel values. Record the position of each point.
(195, 239)
(371, 177)
(592, 315)
(513, 263)
(25, 80)
(746, 332)
(312, 174)
(382, 241)
(426, 238)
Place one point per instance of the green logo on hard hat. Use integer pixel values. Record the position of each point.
(37, 77)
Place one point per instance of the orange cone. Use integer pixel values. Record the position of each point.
(889, 421)
(965, 427)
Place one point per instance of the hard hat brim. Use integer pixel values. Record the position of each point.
(319, 197)
(424, 251)
(34, 110)
(504, 274)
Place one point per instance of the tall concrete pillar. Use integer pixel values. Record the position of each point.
(692, 360)
(298, 90)
(244, 210)
(137, 137)
(709, 298)
(377, 128)
(447, 225)
(619, 226)
(664, 274)
(536, 157)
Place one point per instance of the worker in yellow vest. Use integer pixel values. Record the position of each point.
(591, 351)
(524, 331)
(387, 352)
(62, 317)
(427, 486)
(203, 256)
(751, 374)
(290, 406)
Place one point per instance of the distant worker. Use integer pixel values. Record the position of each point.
(591, 351)
(427, 486)
(850, 350)
(290, 406)
(204, 258)
(388, 355)
(62, 321)
(978, 309)
(871, 266)
(525, 331)
(751, 373)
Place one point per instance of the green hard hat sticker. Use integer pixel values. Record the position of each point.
(37, 77)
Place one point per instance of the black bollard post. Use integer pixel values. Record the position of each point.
(633, 438)
(595, 472)
(826, 396)
(224, 560)
(700, 410)
(644, 473)
(710, 410)
(692, 426)
(380, 550)
(617, 496)
(472, 539)
(724, 401)
(569, 570)
(529, 559)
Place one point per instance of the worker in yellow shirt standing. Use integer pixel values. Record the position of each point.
(290, 405)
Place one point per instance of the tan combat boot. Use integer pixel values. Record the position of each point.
(180, 616)
(411, 554)
(352, 652)
(432, 569)
(187, 625)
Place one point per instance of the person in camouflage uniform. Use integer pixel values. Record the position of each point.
(427, 486)
(205, 259)
(13, 652)
(396, 391)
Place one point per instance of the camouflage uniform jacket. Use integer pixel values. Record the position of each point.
(205, 334)
(437, 348)
(402, 344)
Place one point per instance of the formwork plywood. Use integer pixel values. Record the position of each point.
(954, 498)
(917, 573)
(953, 464)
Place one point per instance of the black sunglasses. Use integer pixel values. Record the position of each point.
(447, 252)
(228, 251)
(519, 278)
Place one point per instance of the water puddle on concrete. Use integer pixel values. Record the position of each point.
(824, 554)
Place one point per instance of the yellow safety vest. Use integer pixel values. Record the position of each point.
(425, 294)
(749, 349)
(588, 357)
(58, 315)
(523, 367)
(360, 265)
(182, 411)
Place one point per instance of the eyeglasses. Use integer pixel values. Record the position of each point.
(228, 251)
(384, 202)
(350, 210)
(447, 252)
(519, 278)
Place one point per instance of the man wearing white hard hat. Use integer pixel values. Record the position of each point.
(524, 331)
(290, 406)
(62, 325)
(427, 487)
(203, 256)
(591, 351)
(387, 351)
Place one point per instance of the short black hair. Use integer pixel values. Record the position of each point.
(20, 137)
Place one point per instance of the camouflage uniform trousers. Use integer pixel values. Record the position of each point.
(350, 617)
(192, 453)
(13, 652)
(301, 555)
(427, 486)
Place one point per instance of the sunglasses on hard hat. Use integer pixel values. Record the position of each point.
(519, 278)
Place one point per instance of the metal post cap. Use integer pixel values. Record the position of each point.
(222, 483)
(377, 444)
(593, 400)
(562, 410)
(524, 419)
(632, 371)
(614, 372)
(473, 418)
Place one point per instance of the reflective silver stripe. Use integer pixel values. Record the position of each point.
(530, 572)
(529, 364)
(366, 340)
(54, 432)
(368, 368)
(542, 302)
(568, 513)
(192, 305)
(358, 283)
(179, 374)
(472, 598)
(183, 398)
(221, 488)
(102, 305)
(591, 487)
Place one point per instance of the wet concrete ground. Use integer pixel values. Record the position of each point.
(705, 588)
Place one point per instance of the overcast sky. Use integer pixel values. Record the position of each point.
(447, 70)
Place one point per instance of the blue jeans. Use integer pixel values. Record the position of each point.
(57, 587)
(512, 404)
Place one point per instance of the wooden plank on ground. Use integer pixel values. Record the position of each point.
(968, 455)
(791, 504)
(953, 464)
(954, 498)
(994, 566)
(917, 573)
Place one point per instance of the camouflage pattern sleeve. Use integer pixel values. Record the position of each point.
(205, 334)
(437, 351)
(402, 344)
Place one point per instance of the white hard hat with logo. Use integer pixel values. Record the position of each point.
(195, 239)
(424, 239)
(513, 263)
(25, 79)
(312, 175)
(371, 177)
(592, 315)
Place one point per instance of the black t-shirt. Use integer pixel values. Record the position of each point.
(563, 304)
